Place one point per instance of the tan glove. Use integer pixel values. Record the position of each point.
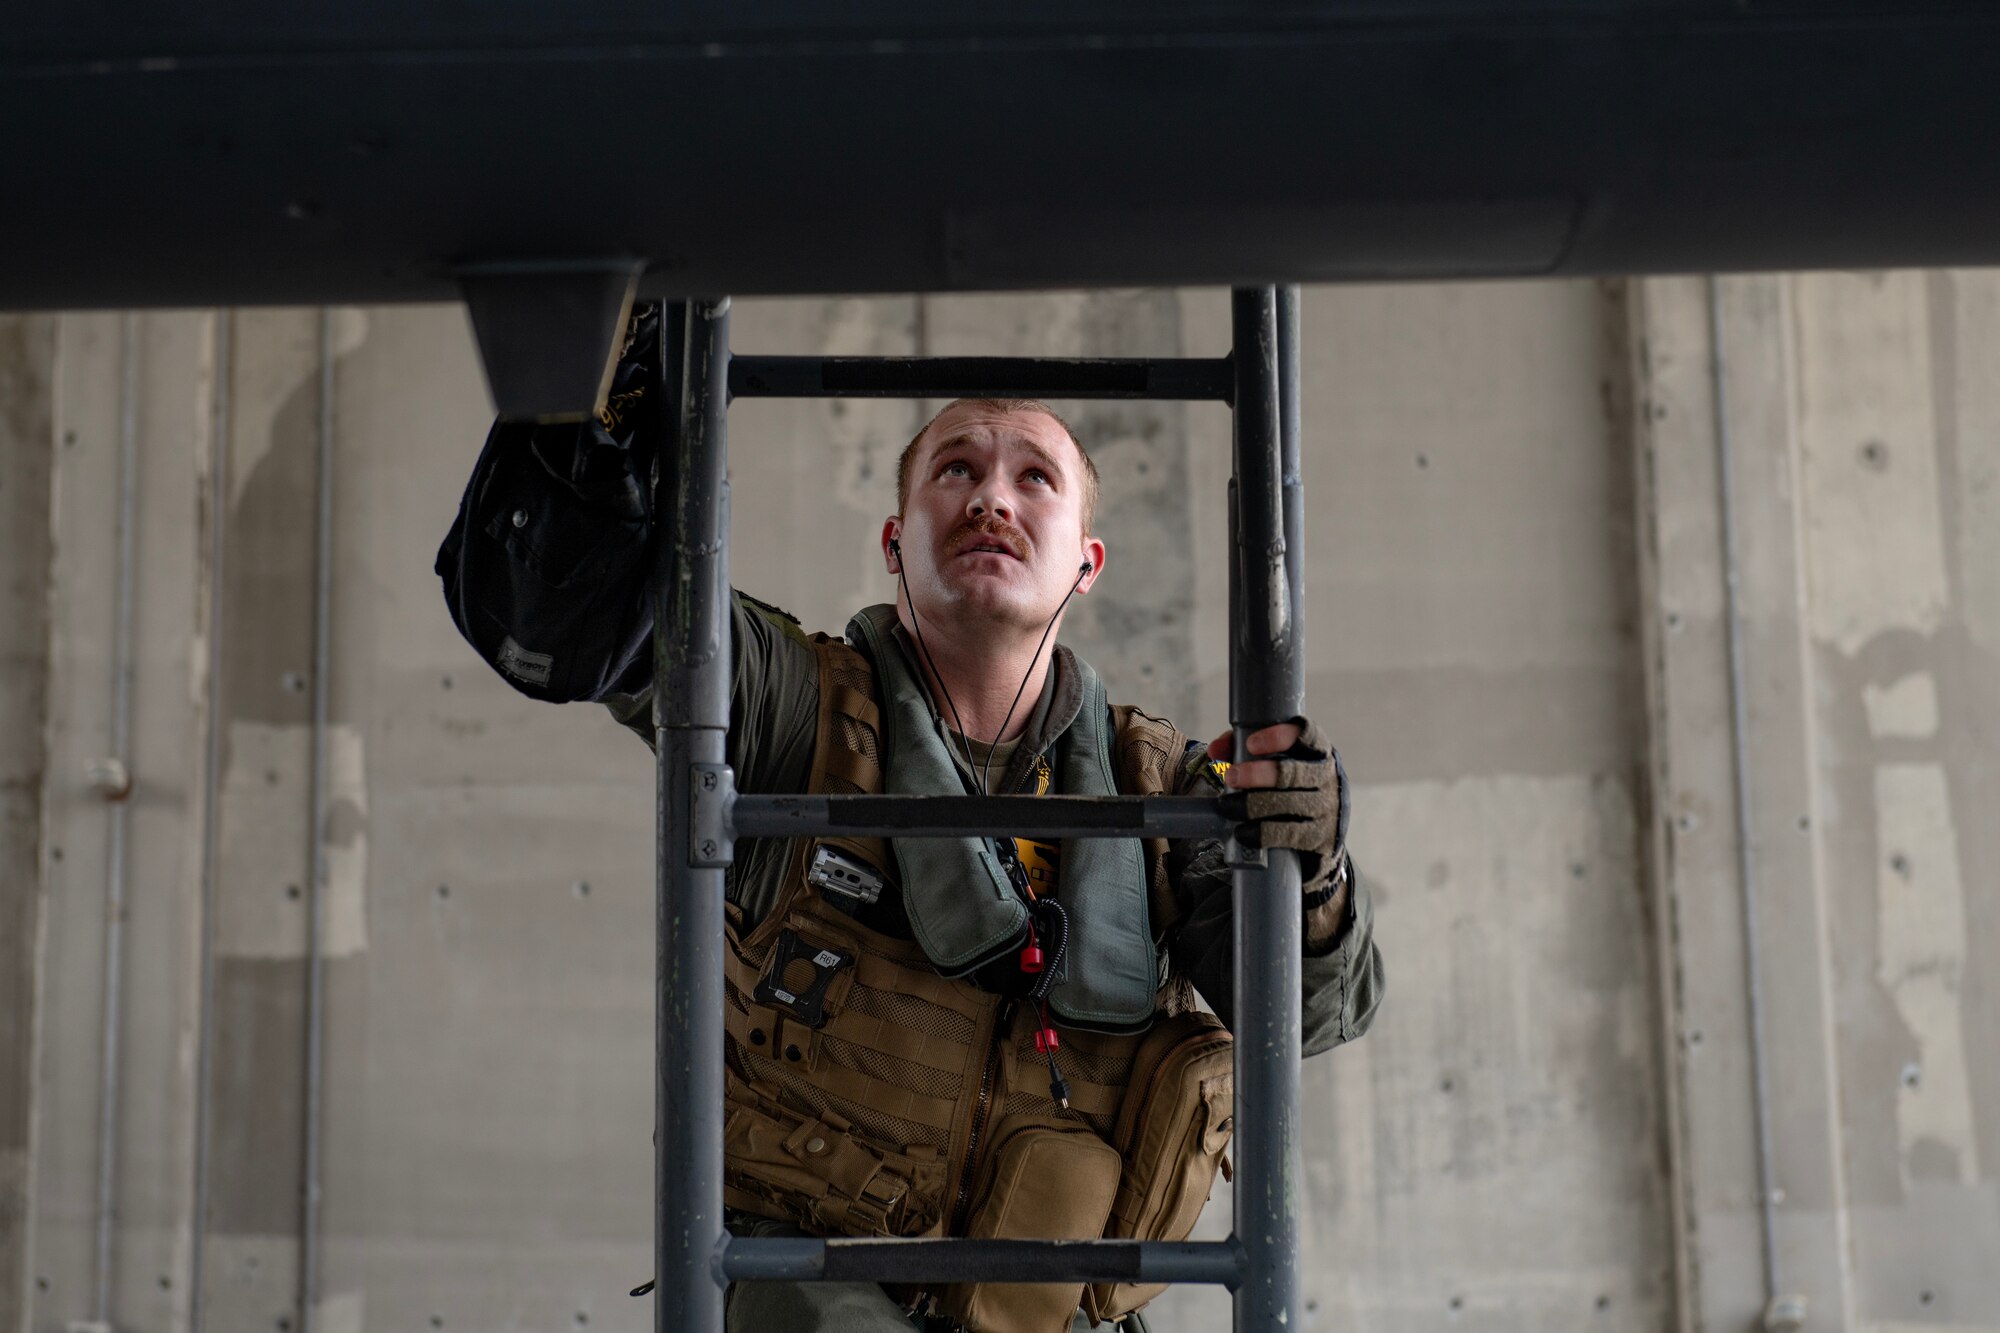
(1291, 793)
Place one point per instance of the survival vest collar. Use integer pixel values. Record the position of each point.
(962, 907)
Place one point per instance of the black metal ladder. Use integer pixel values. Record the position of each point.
(699, 815)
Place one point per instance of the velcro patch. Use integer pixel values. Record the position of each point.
(518, 662)
(1199, 765)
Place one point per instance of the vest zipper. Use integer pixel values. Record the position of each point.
(1003, 1029)
(1003, 1025)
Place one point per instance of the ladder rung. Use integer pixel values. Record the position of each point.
(1211, 378)
(807, 1259)
(978, 816)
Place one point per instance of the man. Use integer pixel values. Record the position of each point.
(936, 1036)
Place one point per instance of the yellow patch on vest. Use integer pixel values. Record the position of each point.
(1042, 860)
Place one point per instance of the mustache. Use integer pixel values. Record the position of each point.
(987, 528)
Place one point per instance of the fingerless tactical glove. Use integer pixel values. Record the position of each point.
(1307, 809)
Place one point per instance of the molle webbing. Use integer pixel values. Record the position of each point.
(847, 752)
(892, 1060)
(897, 1062)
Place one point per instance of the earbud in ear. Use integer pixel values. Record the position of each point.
(1087, 566)
(895, 548)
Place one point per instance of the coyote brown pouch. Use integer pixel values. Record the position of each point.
(1044, 1184)
(819, 1172)
(1172, 1132)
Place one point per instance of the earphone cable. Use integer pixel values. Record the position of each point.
(986, 773)
(924, 648)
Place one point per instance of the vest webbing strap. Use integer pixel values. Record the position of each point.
(849, 702)
(880, 973)
(853, 767)
(837, 1080)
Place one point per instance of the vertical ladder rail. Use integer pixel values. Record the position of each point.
(1266, 686)
(690, 720)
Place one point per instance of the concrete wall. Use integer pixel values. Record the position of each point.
(27, 346)
(1862, 451)
(1516, 635)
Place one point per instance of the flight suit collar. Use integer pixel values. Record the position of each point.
(1052, 715)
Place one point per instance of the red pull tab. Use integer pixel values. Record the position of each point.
(1031, 958)
(1046, 1040)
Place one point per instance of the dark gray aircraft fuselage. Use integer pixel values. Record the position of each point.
(368, 150)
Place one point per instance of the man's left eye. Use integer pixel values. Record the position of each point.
(1038, 476)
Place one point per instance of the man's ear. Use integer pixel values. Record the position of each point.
(892, 554)
(1093, 555)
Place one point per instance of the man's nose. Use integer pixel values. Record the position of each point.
(992, 500)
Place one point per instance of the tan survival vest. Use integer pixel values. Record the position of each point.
(869, 1096)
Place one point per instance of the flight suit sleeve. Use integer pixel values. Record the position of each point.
(773, 704)
(773, 722)
(1341, 968)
